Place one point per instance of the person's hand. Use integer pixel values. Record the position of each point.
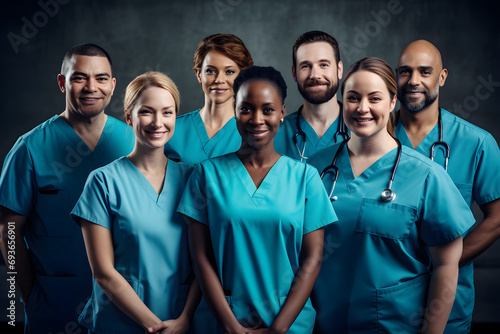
(261, 331)
(174, 326)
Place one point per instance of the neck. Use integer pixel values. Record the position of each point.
(321, 116)
(324, 113)
(263, 157)
(374, 146)
(422, 120)
(151, 160)
(83, 124)
(215, 115)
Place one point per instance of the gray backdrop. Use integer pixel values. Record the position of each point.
(162, 35)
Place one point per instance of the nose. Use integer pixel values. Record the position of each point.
(315, 72)
(257, 117)
(414, 79)
(91, 85)
(363, 106)
(157, 121)
(220, 78)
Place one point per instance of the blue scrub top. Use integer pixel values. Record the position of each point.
(284, 141)
(149, 241)
(257, 233)
(474, 167)
(42, 178)
(375, 271)
(190, 143)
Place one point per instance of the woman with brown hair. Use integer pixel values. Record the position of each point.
(391, 261)
(211, 131)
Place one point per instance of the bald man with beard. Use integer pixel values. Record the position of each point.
(473, 163)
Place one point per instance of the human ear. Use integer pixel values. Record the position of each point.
(61, 82)
(442, 77)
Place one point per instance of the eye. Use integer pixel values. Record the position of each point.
(143, 112)
(168, 112)
(426, 72)
(404, 71)
(268, 110)
(78, 79)
(376, 98)
(230, 72)
(305, 66)
(324, 65)
(102, 79)
(244, 110)
(352, 98)
(209, 71)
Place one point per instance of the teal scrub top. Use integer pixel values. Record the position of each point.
(149, 241)
(257, 233)
(376, 267)
(190, 143)
(284, 141)
(474, 167)
(42, 178)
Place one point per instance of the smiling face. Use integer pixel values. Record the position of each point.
(88, 85)
(420, 73)
(153, 117)
(258, 113)
(216, 77)
(317, 73)
(367, 104)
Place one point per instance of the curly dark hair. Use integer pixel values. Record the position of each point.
(263, 73)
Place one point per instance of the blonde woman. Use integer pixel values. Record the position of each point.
(136, 242)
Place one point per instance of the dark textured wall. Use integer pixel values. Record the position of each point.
(162, 35)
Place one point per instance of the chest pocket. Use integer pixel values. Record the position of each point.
(53, 207)
(388, 220)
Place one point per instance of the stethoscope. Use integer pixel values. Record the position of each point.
(388, 195)
(341, 131)
(439, 142)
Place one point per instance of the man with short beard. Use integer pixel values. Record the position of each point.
(473, 163)
(318, 123)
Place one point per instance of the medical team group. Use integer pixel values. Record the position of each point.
(342, 217)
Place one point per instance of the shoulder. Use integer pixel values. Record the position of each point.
(184, 169)
(40, 130)
(467, 129)
(187, 116)
(290, 119)
(112, 170)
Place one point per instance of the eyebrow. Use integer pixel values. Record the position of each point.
(150, 107)
(406, 67)
(86, 75)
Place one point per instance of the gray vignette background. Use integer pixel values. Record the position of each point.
(162, 35)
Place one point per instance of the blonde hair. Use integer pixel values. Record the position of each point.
(147, 80)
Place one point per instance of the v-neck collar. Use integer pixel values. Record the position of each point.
(257, 194)
(80, 145)
(370, 173)
(424, 145)
(209, 144)
(313, 136)
(159, 199)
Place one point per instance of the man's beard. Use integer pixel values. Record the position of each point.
(416, 106)
(318, 97)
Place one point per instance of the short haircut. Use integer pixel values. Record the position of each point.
(259, 73)
(312, 37)
(85, 49)
(227, 44)
(147, 80)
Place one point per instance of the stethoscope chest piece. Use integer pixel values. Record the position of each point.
(388, 195)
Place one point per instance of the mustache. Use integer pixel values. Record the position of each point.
(413, 88)
(314, 82)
